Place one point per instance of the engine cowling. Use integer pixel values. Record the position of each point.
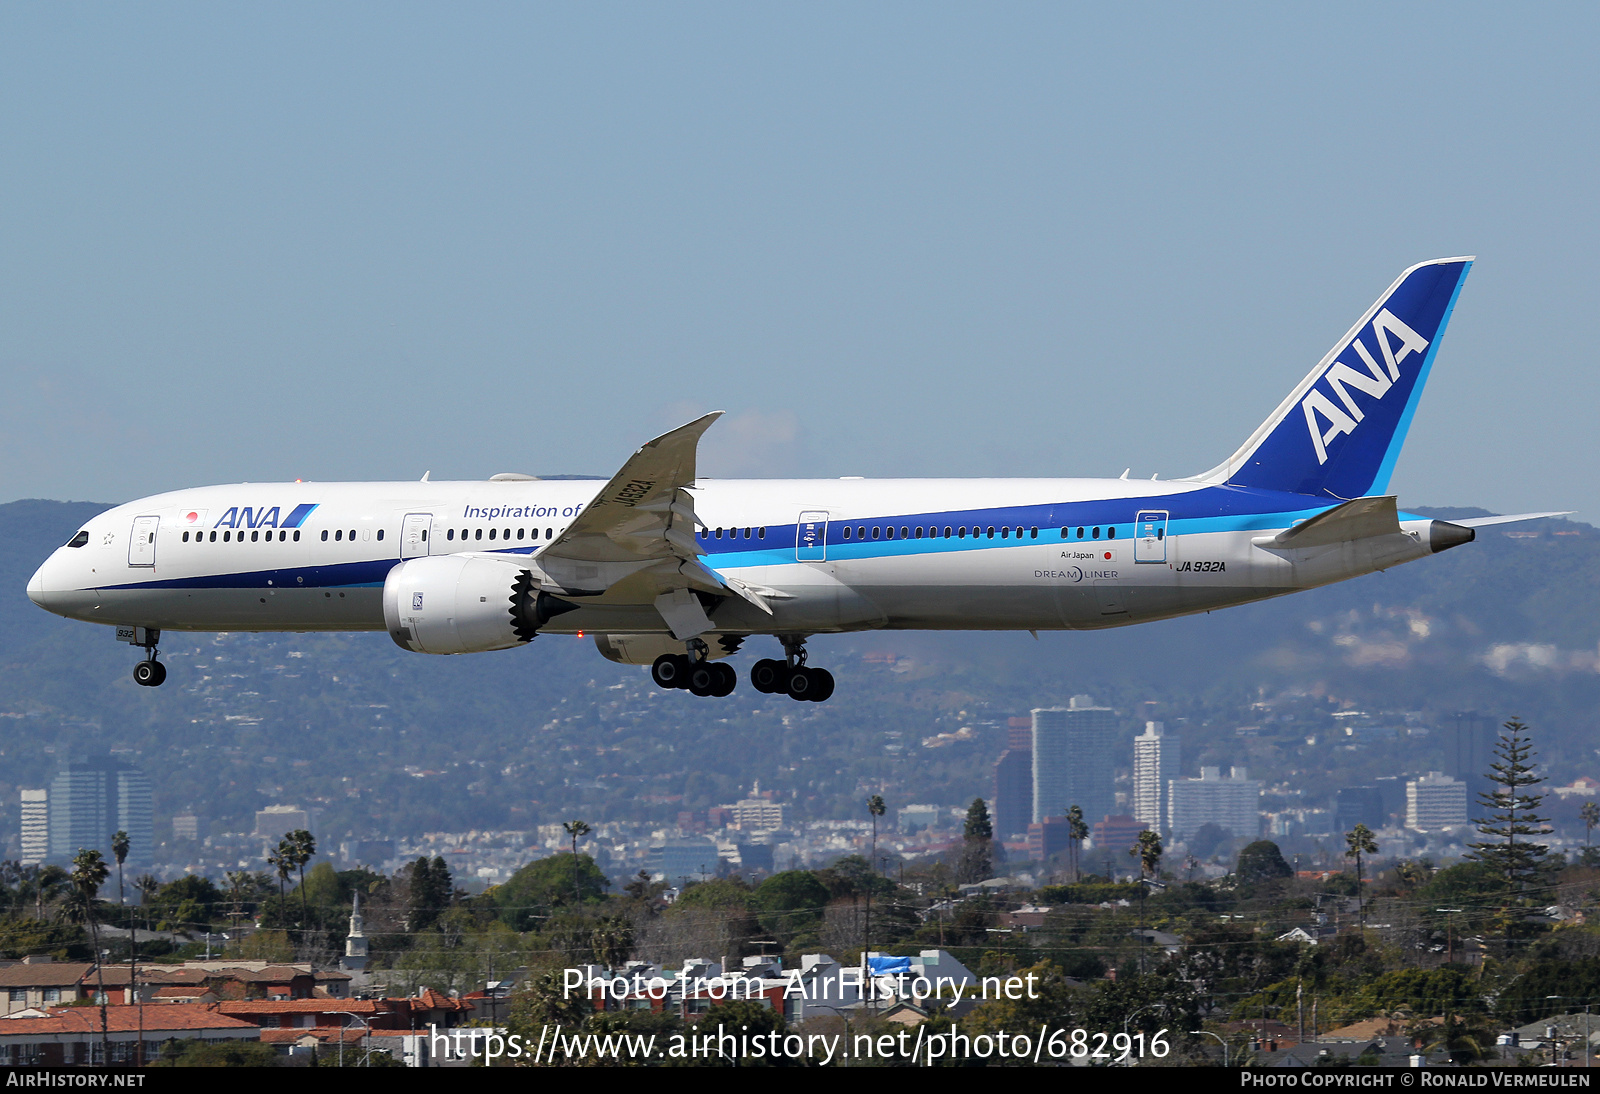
(460, 604)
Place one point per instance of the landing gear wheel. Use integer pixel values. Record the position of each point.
(821, 685)
(670, 670)
(767, 676)
(149, 674)
(727, 680)
(800, 683)
(703, 679)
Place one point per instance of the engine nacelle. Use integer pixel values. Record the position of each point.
(461, 604)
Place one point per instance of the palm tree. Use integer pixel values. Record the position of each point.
(1359, 841)
(119, 850)
(575, 829)
(1590, 814)
(1077, 832)
(875, 809)
(302, 846)
(89, 872)
(282, 860)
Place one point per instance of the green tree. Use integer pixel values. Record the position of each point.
(530, 893)
(790, 905)
(1260, 863)
(1358, 842)
(977, 835)
(1506, 847)
(431, 889)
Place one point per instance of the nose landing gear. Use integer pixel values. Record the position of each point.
(148, 673)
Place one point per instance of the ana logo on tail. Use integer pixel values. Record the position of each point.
(1374, 382)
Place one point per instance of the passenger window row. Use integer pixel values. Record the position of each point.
(500, 533)
(733, 533)
(861, 531)
(339, 535)
(1094, 533)
(228, 536)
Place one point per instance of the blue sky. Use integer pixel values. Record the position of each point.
(368, 241)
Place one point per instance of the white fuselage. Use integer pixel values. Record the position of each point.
(840, 554)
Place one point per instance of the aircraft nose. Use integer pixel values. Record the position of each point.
(36, 589)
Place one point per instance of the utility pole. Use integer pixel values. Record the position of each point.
(1300, 1009)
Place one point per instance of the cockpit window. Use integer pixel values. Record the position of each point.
(80, 539)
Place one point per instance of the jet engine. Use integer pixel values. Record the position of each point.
(462, 604)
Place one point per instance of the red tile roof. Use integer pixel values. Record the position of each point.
(168, 1017)
(303, 1006)
(50, 974)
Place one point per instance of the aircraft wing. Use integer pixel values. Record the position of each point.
(635, 542)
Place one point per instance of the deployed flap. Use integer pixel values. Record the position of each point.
(642, 517)
(683, 613)
(1358, 519)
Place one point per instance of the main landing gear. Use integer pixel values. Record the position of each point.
(149, 673)
(790, 676)
(695, 674)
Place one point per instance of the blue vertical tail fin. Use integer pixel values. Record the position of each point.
(1339, 432)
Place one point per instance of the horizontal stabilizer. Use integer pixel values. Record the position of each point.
(1485, 522)
(1358, 519)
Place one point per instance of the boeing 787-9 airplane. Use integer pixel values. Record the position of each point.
(671, 570)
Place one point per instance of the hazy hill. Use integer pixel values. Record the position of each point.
(391, 742)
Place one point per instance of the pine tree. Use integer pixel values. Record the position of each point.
(1513, 817)
(977, 835)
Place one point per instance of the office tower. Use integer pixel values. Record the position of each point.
(1155, 763)
(35, 826)
(1013, 792)
(1232, 803)
(276, 821)
(1436, 801)
(1354, 805)
(91, 800)
(1074, 758)
(1471, 753)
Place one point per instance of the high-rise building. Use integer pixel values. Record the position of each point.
(1155, 763)
(276, 821)
(1232, 803)
(91, 800)
(1074, 759)
(757, 813)
(1436, 801)
(1116, 835)
(1354, 805)
(1471, 753)
(1013, 792)
(35, 827)
(1048, 838)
